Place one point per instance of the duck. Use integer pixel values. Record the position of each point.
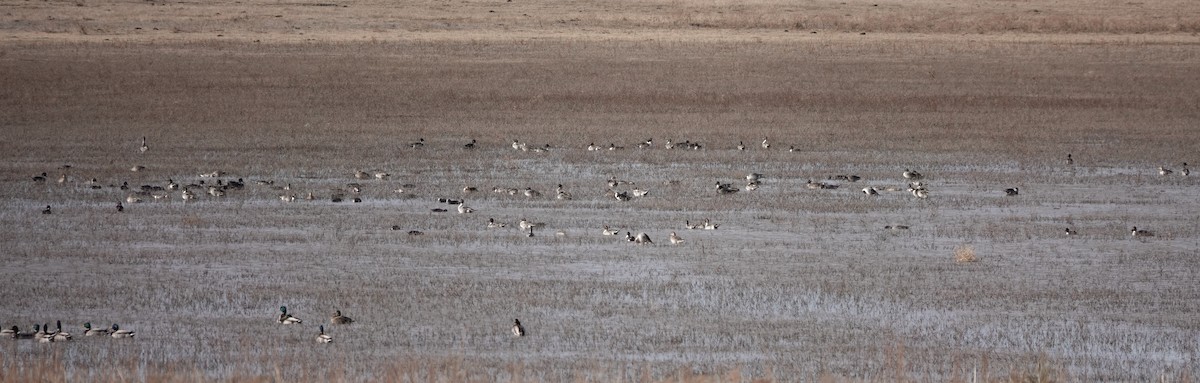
(741, 146)
(1141, 233)
(322, 337)
(1185, 172)
(1070, 161)
(529, 192)
(690, 226)
(464, 209)
(417, 144)
(765, 144)
(1164, 171)
(338, 318)
(1011, 191)
(359, 174)
(17, 334)
(723, 188)
(59, 335)
(708, 225)
(561, 194)
(912, 175)
(469, 145)
(88, 330)
(117, 332)
(517, 329)
(1069, 232)
(492, 224)
(752, 186)
(41, 178)
(286, 318)
(8, 332)
(608, 231)
(870, 191)
(382, 175)
(46, 210)
(621, 196)
(676, 239)
(527, 224)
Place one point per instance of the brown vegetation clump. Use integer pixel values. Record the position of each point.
(965, 254)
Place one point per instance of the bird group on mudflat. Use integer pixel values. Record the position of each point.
(43, 334)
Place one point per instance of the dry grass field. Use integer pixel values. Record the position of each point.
(797, 282)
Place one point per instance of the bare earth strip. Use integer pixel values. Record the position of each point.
(795, 284)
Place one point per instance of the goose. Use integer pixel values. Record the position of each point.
(137, 168)
(492, 224)
(59, 335)
(88, 330)
(628, 237)
(675, 239)
(310, 196)
(1164, 171)
(1070, 161)
(608, 231)
(216, 192)
(814, 185)
(669, 145)
(463, 209)
(920, 193)
(417, 144)
(896, 227)
(753, 177)
(765, 144)
(690, 226)
(322, 337)
(17, 334)
(530, 235)
(752, 186)
(469, 189)
(517, 329)
(791, 148)
(338, 318)
(1011, 191)
(561, 194)
(172, 185)
(359, 174)
(642, 238)
(46, 210)
(612, 146)
(870, 191)
(741, 146)
(517, 145)
(286, 318)
(646, 144)
(1141, 233)
(40, 179)
(287, 198)
(529, 192)
(912, 175)
(725, 188)
(592, 147)
(382, 175)
(708, 225)
(1069, 232)
(639, 192)
(187, 195)
(1185, 172)
(526, 224)
(144, 147)
(469, 145)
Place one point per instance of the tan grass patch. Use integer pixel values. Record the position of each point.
(965, 254)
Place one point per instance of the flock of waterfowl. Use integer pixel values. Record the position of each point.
(43, 334)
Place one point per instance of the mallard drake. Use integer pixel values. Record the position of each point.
(17, 334)
(338, 318)
(322, 337)
(88, 330)
(117, 332)
(286, 318)
(59, 335)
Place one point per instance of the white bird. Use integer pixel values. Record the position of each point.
(517, 329)
(675, 239)
(1141, 233)
(322, 337)
(608, 231)
(517, 145)
(464, 209)
(526, 224)
(638, 192)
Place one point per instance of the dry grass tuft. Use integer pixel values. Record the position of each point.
(965, 254)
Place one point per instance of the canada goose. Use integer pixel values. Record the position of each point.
(1164, 171)
(143, 148)
(530, 235)
(469, 145)
(1141, 233)
(675, 239)
(382, 175)
(608, 231)
(708, 225)
(765, 144)
(1070, 161)
(870, 191)
(359, 174)
(117, 332)
(646, 144)
(1011, 191)
(322, 337)
(469, 189)
(463, 209)
(517, 329)
(912, 175)
(216, 192)
(1069, 232)
(1185, 172)
(529, 192)
(669, 145)
(690, 226)
(527, 224)
(561, 194)
(59, 335)
(741, 146)
(41, 178)
(417, 144)
(172, 185)
(286, 318)
(46, 210)
(642, 238)
(338, 318)
(89, 331)
(187, 195)
(920, 193)
(492, 224)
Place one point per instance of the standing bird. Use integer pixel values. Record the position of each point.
(765, 144)
(286, 318)
(1070, 161)
(143, 148)
(323, 337)
(338, 318)
(517, 329)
